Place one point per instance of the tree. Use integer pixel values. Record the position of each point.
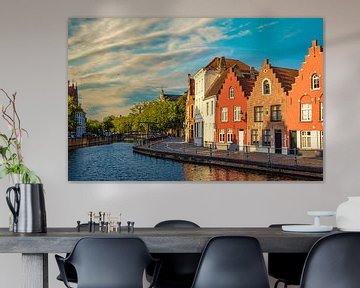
(93, 126)
(108, 124)
(72, 108)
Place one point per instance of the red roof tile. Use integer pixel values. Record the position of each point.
(246, 82)
(214, 64)
(285, 76)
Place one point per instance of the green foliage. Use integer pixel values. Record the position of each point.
(154, 116)
(108, 123)
(93, 126)
(71, 114)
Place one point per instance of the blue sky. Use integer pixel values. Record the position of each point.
(118, 62)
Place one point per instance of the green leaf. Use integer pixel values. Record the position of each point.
(26, 132)
(5, 138)
(3, 151)
(4, 173)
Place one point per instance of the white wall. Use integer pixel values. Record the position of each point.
(33, 62)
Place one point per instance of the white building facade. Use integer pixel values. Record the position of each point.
(80, 120)
(203, 79)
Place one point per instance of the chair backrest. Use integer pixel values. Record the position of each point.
(232, 262)
(110, 262)
(176, 224)
(179, 267)
(286, 266)
(333, 262)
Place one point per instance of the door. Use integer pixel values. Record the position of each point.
(278, 145)
(241, 140)
(293, 142)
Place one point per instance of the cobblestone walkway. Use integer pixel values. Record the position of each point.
(178, 145)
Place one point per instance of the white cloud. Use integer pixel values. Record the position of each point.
(111, 58)
(262, 27)
(290, 35)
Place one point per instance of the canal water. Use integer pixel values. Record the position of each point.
(117, 162)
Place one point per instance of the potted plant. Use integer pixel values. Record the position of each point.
(12, 161)
(26, 197)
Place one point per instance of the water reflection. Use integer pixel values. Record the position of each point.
(193, 172)
(117, 162)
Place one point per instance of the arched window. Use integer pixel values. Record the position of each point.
(231, 93)
(315, 82)
(266, 87)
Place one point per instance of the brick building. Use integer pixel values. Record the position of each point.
(267, 107)
(189, 110)
(232, 89)
(204, 109)
(305, 104)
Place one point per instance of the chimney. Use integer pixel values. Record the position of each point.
(222, 64)
(266, 62)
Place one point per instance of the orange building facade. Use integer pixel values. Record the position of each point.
(276, 110)
(231, 107)
(266, 109)
(305, 104)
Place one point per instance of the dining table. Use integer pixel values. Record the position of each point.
(35, 247)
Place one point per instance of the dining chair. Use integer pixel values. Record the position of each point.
(108, 263)
(232, 262)
(178, 269)
(70, 271)
(333, 262)
(285, 267)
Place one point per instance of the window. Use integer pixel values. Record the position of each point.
(231, 93)
(212, 108)
(306, 112)
(266, 87)
(315, 82)
(258, 114)
(321, 111)
(254, 137)
(237, 113)
(224, 114)
(276, 113)
(305, 139)
(192, 111)
(321, 140)
(266, 138)
(207, 108)
(221, 135)
(229, 136)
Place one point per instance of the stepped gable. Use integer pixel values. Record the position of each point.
(246, 82)
(247, 85)
(285, 76)
(227, 63)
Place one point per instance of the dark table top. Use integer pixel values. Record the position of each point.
(158, 240)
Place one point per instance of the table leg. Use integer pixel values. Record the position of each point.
(35, 270)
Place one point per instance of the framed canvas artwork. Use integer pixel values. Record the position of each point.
(195, 99)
